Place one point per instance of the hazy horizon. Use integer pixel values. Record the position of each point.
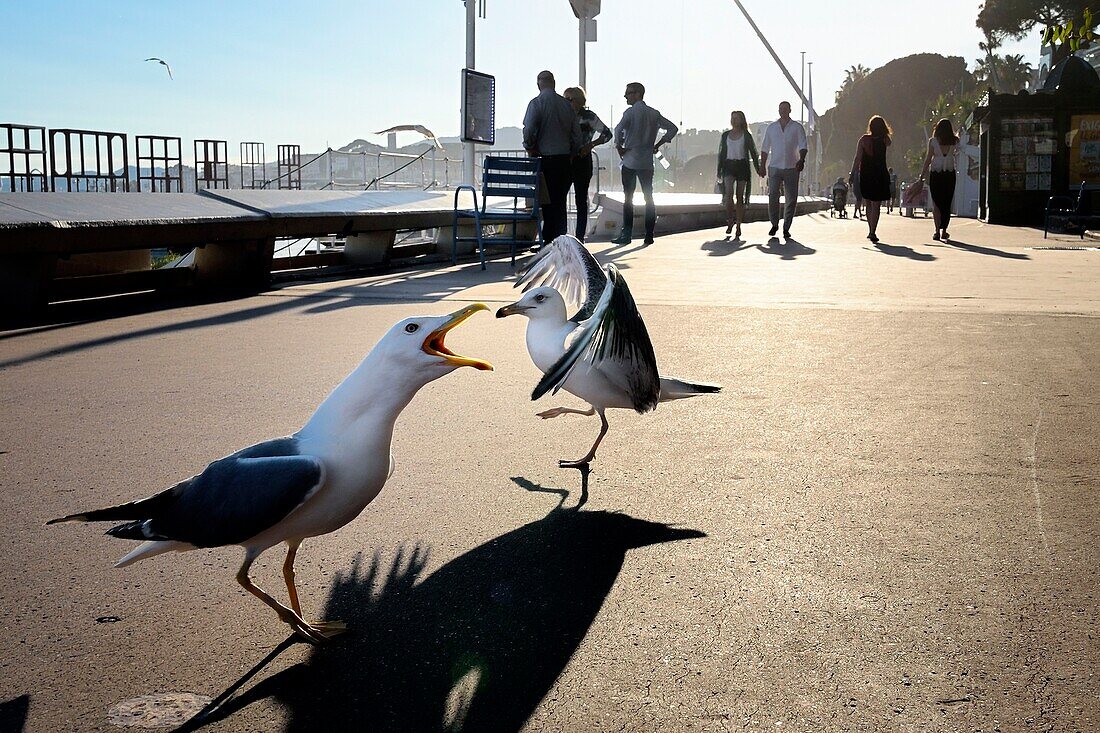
(342, 71)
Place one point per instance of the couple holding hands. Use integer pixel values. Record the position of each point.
(785, 142)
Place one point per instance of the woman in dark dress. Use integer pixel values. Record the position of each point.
(593, 132)
(870, 165)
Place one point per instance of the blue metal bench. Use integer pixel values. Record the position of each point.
(515, 178)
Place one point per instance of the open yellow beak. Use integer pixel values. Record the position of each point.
(434, 345)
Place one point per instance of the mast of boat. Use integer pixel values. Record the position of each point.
(812, 113)
(775, 57)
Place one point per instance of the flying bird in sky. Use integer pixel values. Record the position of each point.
(414, 128)
(164, 63)
(602, 354)
(305, 485)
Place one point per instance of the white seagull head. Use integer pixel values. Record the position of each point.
(414, 347)
(537, 303)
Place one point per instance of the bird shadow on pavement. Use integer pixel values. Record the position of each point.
(786, 250)
(563, 493)
(978, 249)
(474, 645)
(895, 250)
(13, 714)
(723, 247)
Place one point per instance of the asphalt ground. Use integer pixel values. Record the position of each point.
(887, 519)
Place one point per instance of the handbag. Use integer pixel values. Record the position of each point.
(720, 186)
(914, 194)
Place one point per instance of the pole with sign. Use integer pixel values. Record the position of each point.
(586, 12)
(468, 146)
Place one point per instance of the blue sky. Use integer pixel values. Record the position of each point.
(327, 72)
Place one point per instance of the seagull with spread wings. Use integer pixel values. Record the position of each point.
(164, 63)
(305, 485)
(414, 128)
(602, 354)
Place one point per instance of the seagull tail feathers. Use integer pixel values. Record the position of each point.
(678, 389)
(150, 549)
(131, 510)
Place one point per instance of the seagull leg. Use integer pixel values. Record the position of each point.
(325, 628)
(285, 614)
(288, 575)
(555, 411)
(592, 451)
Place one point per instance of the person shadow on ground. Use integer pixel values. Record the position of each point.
(473, 646)
(978, 249)
(727, 246)
(786, 249)
(895, 250)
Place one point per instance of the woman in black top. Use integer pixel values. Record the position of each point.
(593, 132)
(870, 165)
(737, 159)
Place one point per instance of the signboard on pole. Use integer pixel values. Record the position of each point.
(585, 9)
(479, 101)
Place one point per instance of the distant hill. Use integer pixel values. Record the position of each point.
(900, 91)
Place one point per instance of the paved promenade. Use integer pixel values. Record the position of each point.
(887, 521)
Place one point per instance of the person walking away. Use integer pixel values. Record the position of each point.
(784, 148)
(737, 158)
(593, 133)
(636, 142)
(552, 133)
(874, 176)
(939, 165)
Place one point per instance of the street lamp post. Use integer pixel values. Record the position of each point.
(802, 86)
(468, 147)
(582, 62)
(586, 12)
(813, 140)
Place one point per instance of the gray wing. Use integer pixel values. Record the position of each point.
(569, 268)
(614, 341)
(232, 500)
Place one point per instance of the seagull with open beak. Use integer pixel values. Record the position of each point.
(305, 485)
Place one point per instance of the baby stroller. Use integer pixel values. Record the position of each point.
(840, 200)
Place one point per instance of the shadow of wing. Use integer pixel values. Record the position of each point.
(13, 714)
(477, 644)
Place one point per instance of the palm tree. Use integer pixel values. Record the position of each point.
(1006, 74)
(1015, 73)
(852, 76)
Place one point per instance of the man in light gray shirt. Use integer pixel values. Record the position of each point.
(636, 141)
(783, 156)
(552, 133)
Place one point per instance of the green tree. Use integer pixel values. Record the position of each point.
(899, 91)
(1000, 19)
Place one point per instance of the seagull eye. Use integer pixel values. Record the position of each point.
(412, 328)
(540, 298)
